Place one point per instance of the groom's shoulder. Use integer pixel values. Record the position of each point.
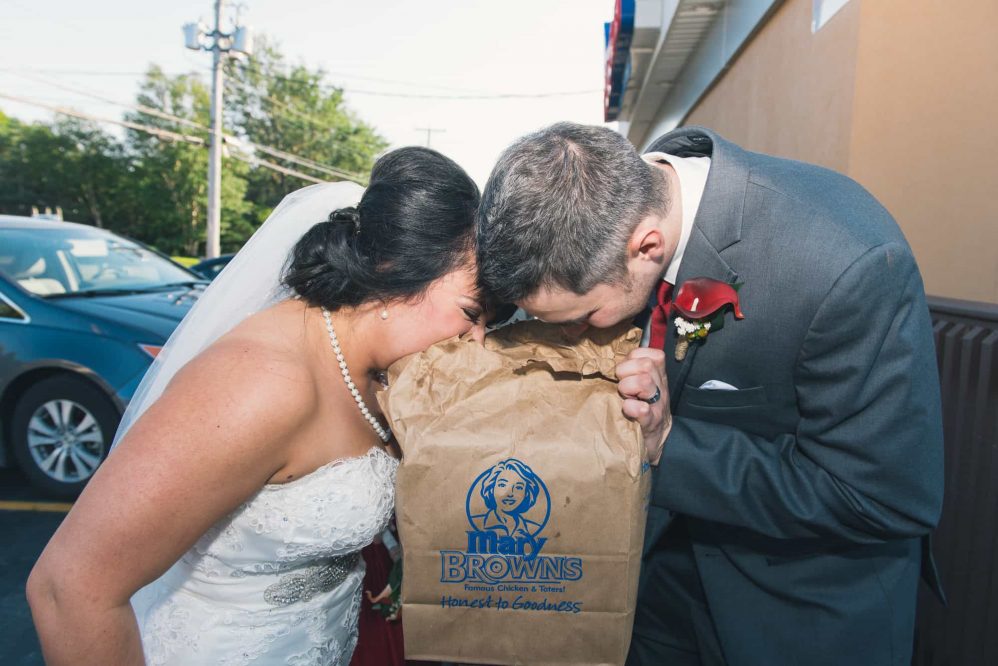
(812, 186)
(802, 206)
(819, 204)
(817, 222)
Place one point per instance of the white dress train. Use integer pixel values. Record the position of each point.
(277, 582)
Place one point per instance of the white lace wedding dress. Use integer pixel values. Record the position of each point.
(279, 580)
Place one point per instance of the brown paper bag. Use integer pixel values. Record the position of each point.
(521, 498)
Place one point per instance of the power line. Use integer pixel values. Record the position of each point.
(354, 91)
(361, 77)
(411, 84)
(135, 107)
(344, 175)
(157, 131)
(160, 134)
(467, 96)
(278, 168)
(80, 72)
(227, 138)
(315, 120)
(374, 93)
(382, 93)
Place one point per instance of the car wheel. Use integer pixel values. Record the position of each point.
(62, 430)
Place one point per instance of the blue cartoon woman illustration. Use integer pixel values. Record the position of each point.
(510, 489)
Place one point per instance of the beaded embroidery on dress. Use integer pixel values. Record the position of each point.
(278, 581)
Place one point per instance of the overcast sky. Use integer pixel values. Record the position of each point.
(419, 47)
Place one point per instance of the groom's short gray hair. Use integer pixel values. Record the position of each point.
(559, 208)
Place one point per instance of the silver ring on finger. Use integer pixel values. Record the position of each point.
(655, 398)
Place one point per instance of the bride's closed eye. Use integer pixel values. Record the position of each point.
(473, 315)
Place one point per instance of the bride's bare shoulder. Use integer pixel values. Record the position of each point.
(264, 354)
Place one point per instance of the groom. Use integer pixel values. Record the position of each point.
(797, 452)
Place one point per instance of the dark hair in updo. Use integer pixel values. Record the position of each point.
(414, 224)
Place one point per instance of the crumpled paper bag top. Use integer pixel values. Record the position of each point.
(467, 368)
(596, 352)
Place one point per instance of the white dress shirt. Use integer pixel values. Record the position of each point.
(692, 175)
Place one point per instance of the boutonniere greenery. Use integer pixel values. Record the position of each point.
(701, 304)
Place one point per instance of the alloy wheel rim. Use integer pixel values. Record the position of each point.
(65, 441)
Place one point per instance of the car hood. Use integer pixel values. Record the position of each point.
(157, 312)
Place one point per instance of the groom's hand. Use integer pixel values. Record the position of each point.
(642, 376)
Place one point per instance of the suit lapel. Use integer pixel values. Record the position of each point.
(700, 260)
(717, 226)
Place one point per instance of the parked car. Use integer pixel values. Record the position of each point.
(210, 268)
(83, 312)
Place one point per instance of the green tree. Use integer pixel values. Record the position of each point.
(170, 176)
(30, 155)
(153, 187)
(72, 165)
(292, 109)
(96, 172)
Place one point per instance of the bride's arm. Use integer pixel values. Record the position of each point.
(214, 438)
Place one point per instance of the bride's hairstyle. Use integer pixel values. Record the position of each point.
(413, 225)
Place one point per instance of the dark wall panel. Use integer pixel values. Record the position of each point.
(966, 542)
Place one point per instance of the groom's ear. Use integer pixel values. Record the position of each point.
(647, 243)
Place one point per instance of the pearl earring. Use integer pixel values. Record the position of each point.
(384, 313)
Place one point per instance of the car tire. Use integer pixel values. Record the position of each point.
(61, 430)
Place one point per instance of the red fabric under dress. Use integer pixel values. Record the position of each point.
(380, 641)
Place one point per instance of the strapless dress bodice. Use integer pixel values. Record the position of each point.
(278, 581)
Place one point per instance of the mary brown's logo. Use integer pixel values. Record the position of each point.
(508, 506)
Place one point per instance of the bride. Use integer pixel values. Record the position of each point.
(226, 526)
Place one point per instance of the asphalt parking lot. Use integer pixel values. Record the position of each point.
(27, 520)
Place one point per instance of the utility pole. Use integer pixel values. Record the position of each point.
(429, 131)
(240, 41)
(213, 242)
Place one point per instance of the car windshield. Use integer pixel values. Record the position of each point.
(57, 262)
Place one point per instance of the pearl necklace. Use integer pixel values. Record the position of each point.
(354, 391)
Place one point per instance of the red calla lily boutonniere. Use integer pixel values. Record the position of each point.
(701, 304)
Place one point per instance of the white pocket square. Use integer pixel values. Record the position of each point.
(717, 385)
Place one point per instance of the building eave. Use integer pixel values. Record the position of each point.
(697, 42)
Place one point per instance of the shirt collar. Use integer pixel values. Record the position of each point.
(692, 175)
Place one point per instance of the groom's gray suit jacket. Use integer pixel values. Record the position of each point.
(808, 493)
